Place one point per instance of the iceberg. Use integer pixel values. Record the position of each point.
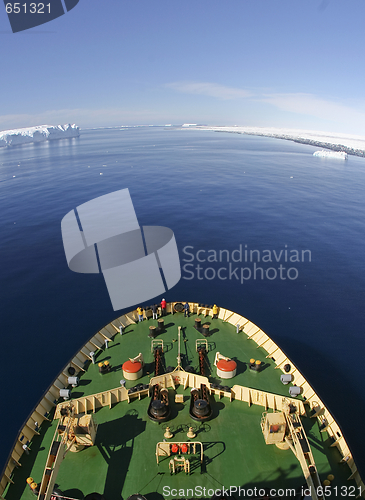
(331, 154)
(37, 134)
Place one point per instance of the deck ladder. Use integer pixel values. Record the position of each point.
(298, 443)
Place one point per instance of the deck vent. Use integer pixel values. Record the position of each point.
(285, 379)
(65, 393)
(74, 381)
(294, 391)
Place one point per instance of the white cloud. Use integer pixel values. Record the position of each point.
(309, 104)
(342, 116)
(209, 89)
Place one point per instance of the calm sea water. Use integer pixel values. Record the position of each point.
(216, 191)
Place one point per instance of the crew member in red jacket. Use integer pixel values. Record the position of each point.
(163, 307)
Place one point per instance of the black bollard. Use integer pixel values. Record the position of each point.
(205, 330)
(198, 323)
(153, 332)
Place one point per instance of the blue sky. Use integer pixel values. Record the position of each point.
(277, 63)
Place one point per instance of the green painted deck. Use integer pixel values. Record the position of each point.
(123, 460)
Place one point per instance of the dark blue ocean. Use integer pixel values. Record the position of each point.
(216, 191)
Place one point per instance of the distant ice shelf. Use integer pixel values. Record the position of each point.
(341, 155)
(37, 134)
(342, 143)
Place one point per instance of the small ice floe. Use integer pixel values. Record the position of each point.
(13, 176)
(291, 177)
(101, 173)
(341, 155)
